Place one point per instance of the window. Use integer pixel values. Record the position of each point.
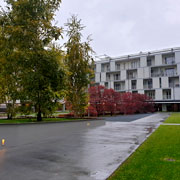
(117, 87)
(133, 84)
(167, 94)
(116, 77)
(105, 67)
(118, 66)
(134, 64)
(106, 85)
(150, 94)
(169, 60)
(108, 77)
(132, 74)
(149, 62)
(147, 83)
(170, 72)
(160, 84)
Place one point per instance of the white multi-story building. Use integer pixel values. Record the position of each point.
(155, 73)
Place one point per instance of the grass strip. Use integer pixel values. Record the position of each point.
(33, 120)
(174, 118)
(158, 158)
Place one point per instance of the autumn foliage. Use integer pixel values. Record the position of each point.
(107, 101)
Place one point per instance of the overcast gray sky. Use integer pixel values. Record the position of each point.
(120, 27)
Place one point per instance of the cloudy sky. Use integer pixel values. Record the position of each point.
(121, 27)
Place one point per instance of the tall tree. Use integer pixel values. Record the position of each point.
(27, 32)
(78, 60)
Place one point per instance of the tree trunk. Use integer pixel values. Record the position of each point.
(9, 116)
(39, 117)
(9, 111)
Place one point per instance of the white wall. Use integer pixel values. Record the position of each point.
(111, 85)
(123, 74)
(98, 67)
(146, 72)
(103, 76)
(158, 59)
(177, 93)
(143, 61)
(140, 72)
(178, 69)
(112, 66)
(165, 82)
(127, 65)
(156, 82)
(139, 83)
(177, 57)
(97, 77)
(158, 94)
(127, 83)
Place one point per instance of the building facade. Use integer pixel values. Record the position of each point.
(155, 73)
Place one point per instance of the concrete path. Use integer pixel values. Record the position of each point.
(71, 151)
(126, 118)
(171, 124)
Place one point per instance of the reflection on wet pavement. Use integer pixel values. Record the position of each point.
(70, 151)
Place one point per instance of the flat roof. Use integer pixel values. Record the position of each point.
(106, 58)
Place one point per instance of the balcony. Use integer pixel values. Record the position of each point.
(172, 85)
(108, 77)
(117, 77)
(150, 93)
(166, 97)
(105, 67)
(169, 60)
(133, 84)
(118, 67)
(174, 73)
(132, 76)
(148, 86)
(118, 88)
(167, 94)
(133, 87)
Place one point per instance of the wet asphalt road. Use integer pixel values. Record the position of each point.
(126, 118)
(71, 151)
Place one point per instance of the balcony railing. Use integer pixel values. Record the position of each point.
(165, 97)
(132, 76)
(105, 69)
(119, 88)
(117, 78)
(117, 68)
(169, 62)
(173, 85)
(108, 78)
(147, 86)
(134, 87)
(151, 96)
(164, 74)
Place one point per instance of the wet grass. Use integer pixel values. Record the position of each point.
(158, 158)
(174, 118)
(33, 120)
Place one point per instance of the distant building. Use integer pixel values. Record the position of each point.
(155, 73)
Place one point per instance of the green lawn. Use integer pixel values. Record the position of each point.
(31, 120)
(174, 118)
(156, 159)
